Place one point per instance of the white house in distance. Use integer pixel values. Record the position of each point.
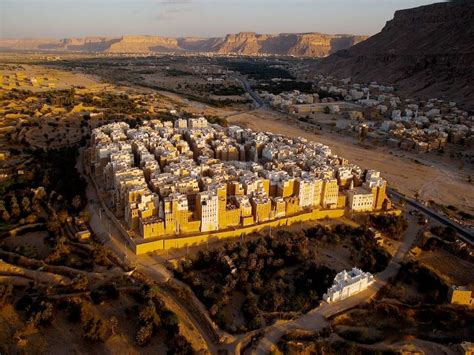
(347, 284)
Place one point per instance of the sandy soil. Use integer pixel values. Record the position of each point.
(198, 107)
(438, 180)
(35, 240)
(456, 270)
(53, 137)
(64, 337)
(61, 79)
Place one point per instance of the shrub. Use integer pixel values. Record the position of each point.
(144, 334)
(179, 346)
(24, 303)
(447, 233)
(5, 293)
(74, 311)
(95, 329)
(170, 322)
(104, 292)
(392, 226)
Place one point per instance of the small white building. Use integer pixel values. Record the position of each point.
(347, 284)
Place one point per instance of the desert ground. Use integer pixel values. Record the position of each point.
(436, 179)
(40, 78)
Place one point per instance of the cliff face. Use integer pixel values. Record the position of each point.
(427, 51)
(306, 44)
(143, 44)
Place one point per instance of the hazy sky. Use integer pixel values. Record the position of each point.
(77, 18)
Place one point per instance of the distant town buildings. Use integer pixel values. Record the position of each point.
(186, 176)
(378, 112)
(347, 284)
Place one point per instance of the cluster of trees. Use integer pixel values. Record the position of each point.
(79, 256)
(276, 274)
(217, 120)
(16, 206)
(62, 98)
(257, 69)
(359, 335)
(104, 292)
(391, 225)
(329, 95)
(6, 292)
(317, 344)
(367, 255)
(118, 103)
(279, 274)
(446, 233)
(427, 282)
(285, 86)
(169, 72)
(55, 175)
(396, 321)
(155, 318)
(211, 102)
(94, 327)
(55, 170)
(444, 240)
(232, 90)
(16, 94)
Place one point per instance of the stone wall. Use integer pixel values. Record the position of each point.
(143, 246)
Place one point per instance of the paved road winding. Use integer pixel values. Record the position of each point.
(258, 100)
(467, 235)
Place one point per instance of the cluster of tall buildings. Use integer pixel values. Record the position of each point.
(181, 177)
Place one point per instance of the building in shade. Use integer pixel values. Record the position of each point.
(348, 283)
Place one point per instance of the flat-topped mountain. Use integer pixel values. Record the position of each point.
(427, 51)
(248, 43)
(301, 44)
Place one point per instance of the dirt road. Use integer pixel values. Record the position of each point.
(316, 318)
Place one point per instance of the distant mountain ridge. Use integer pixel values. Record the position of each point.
(247, 43)
(427, 51)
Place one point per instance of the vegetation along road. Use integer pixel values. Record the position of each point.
(316, 318)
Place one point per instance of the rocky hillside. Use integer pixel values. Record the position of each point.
(304, 44)
(301, 44)
(427, 51)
